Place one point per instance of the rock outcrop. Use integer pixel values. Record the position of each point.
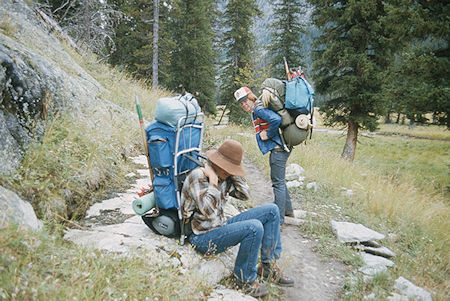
(38, 78)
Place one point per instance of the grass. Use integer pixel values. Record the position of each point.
(391, 196)
(42, 266)
(425, 163)
(429, 132)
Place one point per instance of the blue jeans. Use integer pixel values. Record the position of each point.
(278, 159)
(255, 229)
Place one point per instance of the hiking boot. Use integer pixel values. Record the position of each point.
(254, 289)
(272, 272)
(290, 214)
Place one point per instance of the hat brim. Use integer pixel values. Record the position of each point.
(218, 159)
(242, 99)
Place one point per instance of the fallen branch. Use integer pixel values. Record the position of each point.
(54, 26)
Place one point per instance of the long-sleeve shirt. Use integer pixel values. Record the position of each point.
(272, 123)
(205, 202)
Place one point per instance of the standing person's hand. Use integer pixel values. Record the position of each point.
(210, 174)
(263, 135)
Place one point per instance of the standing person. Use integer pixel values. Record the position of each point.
(267, 124)
(204, 195)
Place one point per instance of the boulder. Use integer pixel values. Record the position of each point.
(350, 232)
(15, 210)
(293, 172)
(411, 291)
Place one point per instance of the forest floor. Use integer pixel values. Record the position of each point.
(316, 277)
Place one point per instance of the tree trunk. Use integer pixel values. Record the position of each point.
(350, 143)
(155, 43)
(388, 118)
(411, 122)
(398, 118)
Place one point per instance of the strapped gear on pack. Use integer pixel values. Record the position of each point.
(294, 101)
(173, 151)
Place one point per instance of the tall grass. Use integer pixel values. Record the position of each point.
(71, 166)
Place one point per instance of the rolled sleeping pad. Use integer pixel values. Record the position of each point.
(302, 122)
(144, 203)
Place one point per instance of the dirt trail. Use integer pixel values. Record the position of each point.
(315, 278)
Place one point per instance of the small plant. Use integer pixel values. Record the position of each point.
(7, 28)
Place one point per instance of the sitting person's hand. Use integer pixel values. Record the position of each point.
(210, 174)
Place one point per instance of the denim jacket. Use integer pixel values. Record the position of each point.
(266, 119)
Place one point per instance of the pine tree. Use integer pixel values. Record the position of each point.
(193, 55)
(134, 37)
(286, 35)
(418, 80)
(350, 55)
(238, 44)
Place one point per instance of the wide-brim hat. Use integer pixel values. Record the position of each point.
(241, 94)
(228, 157)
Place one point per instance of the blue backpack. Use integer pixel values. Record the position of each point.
(162, 147)
(299, 96)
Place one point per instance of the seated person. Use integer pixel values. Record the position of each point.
(204, 195)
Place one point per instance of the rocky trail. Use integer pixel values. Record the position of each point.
(112, 226)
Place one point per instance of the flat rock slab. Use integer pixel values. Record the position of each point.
(350, 232)
(373, 260)
(381, 251)
(411, 291)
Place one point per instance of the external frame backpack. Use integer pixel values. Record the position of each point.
(294, 101)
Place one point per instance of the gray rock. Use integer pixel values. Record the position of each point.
(312, 185)
(225, 294)
(293, 221)
(413, 292)
(15, 210)
(381, 251)
(293, 184)
(373, 260)
(293, 171)
(372, 270)
(350, 232)
(371, 243)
